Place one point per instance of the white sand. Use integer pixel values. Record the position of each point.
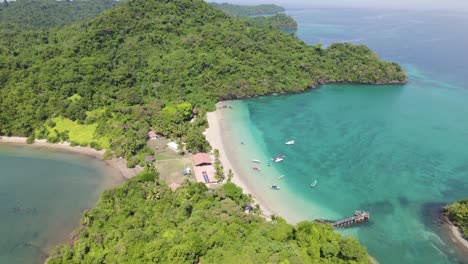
(119, 164)
(214, 135)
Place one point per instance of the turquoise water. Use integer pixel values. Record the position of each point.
(397, 151)
(42, 195)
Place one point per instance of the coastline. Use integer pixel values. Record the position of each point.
(454, 235)
(214, 136)
(115, 163)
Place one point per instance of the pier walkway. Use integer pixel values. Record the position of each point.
(359, 217)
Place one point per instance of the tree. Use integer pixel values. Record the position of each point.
(230, 175)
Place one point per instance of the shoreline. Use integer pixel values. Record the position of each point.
(454, 235)
(217, 141)
(117, 164)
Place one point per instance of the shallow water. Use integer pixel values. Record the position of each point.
(43, 194)
(392, 150)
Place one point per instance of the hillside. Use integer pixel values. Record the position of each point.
(147, 64)
(30, 14)
(143, 221)
(245, 10)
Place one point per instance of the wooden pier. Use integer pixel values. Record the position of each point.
(359, 217)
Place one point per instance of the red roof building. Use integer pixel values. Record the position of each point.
(201, 159)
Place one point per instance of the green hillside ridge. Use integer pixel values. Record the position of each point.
(248, 10)
(143, 221)
(458, 215)
(30, 14)
(267, 15)
(146, 64)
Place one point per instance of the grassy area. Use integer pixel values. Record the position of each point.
(169, 163)
(82, 134)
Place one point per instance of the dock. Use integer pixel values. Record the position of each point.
(359, 217)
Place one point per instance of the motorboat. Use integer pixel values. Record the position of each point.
(275, 187)
(290, 142)
(279, 158)
(256, 168)
(313, 184)
(256, 160)
(281, 177)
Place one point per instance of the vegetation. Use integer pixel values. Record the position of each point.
(153, 64)
(279, 21)
(458, 214)
(29, 14)
(143, 221)
(244, 10)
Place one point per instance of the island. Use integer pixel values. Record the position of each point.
(145, 66)
(457, 214)
(260, 15)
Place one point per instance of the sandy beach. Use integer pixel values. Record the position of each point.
(118, 164)
(454, 236)
(214, 135)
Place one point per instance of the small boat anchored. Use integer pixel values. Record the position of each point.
(313, 184)
(256, 168)
(281, 177)
(256, 161)
(275, 187)
(279, 158)
(290, 142)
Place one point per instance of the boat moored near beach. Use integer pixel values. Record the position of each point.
(279, 158)
(256, 161)
(275, 187)
(313, 184)
(281, 177)
(256, 168)
(290, 142)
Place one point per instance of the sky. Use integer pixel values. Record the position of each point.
(461, 5)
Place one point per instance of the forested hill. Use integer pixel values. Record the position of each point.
(35, 14)
(148, 63)
(244, 10)
(143, 221)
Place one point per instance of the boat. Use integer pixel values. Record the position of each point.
(275, 187)
(256, 160)
(290, 142)
(279, 158)
(313, 184)
(281, 177)
(256, 168)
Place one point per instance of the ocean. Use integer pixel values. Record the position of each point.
(43, 194)
(397, 151)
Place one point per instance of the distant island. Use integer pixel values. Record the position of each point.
(245, 10)
(107, 80)
(260, 15)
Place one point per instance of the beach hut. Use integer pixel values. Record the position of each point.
(152, 135)
(173, 146)
(201, 159)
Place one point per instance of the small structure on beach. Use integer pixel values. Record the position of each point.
(204, 170)
(173, 146)
(152, 135)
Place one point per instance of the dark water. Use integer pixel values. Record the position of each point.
(391, 150)
(43, 194)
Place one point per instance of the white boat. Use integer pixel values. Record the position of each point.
(275, 187)
(290, 142)
(279, 159)
(256, 160)
(313, 184)
(281, 177)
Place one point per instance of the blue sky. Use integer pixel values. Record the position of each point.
(394, 4)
